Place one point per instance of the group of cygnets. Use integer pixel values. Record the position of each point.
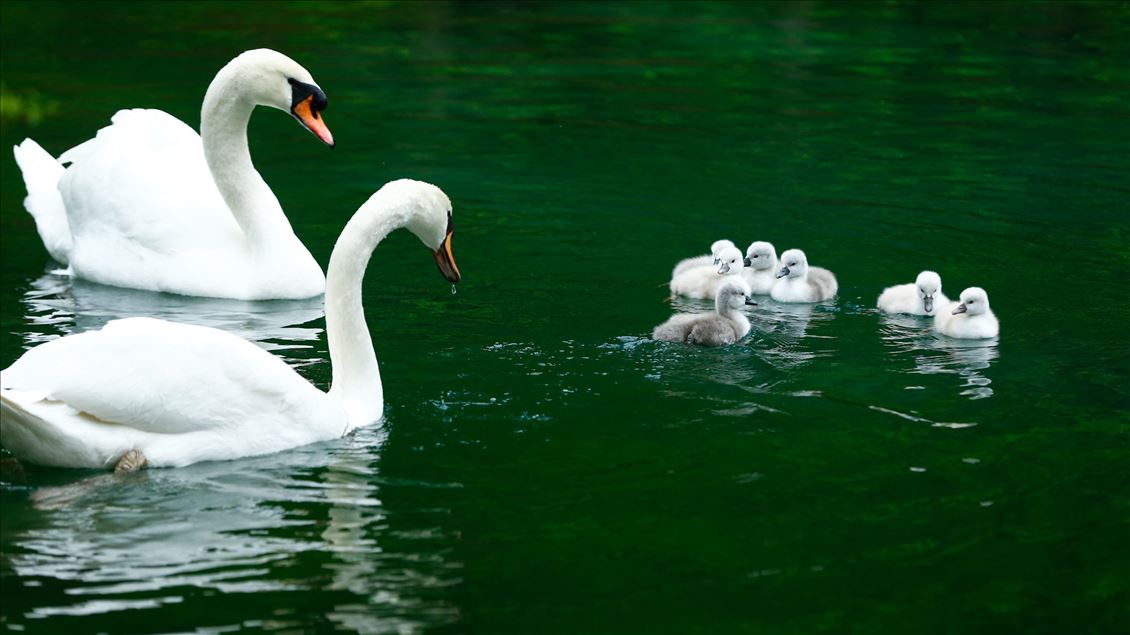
(733, 279)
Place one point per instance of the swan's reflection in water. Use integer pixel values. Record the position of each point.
(933, 354)
(790, 333)
(61, 305)
(311, 520)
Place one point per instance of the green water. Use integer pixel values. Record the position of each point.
(545, 467)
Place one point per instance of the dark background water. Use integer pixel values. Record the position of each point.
(545, 466)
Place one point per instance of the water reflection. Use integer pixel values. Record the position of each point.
(933, 355)
(61, 305)
(783, 329)
(307, 520)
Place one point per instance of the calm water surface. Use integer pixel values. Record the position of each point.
(544, 465)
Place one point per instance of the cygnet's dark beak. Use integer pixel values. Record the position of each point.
(961, 308)
(928, 303)
(306, 104)
(747, 262)
(445, 260)
(783, 272)
(724, 268)
(750, 302)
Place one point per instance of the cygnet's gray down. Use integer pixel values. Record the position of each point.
(726, 325)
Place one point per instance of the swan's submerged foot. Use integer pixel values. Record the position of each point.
(12, 471)
(131, 461)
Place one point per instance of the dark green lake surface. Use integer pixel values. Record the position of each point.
(545, 466)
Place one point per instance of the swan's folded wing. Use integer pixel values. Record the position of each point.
(142, 184)
(165, 377)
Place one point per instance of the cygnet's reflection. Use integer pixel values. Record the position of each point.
(61, 305)
(785, 329)
(934, 354)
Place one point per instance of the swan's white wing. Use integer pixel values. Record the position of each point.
(164, 377)
(141, 191)
(898, 299)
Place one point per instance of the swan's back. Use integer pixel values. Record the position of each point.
(196, 393)
(141, 188)
(823, 283)
(703, 329)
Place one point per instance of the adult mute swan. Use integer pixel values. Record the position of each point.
(969, 319)
(799, 282)
(699, 261)
(149, 204)
(918, 298)
(144, 390)
(725, 325)
(702, 282)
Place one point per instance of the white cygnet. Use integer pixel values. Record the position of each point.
(760, 267)
(798, 282)
(919, 298)
(700, 261)
(971, 318)
(703, 282)
(725, 325)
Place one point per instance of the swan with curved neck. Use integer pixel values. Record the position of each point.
(149, 204)
(144, 391)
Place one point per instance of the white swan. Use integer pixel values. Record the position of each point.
(799, 282)
(918, 298)
(971, 318)
(703, 282)
(760, 267)
(173, 394)
(699, 261)
(149, 204)
(726, 325)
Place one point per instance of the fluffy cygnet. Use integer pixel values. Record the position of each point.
(699, 261)
(760, 267)
(726, 325)
(969, 319)
(920, 298)
(798, 282)
(703, 282)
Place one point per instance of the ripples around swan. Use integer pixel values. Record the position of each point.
(308, 519)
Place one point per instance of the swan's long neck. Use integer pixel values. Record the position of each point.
(356, 378)
(223, 130)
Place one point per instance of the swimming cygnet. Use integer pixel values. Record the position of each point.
(969, 319)
(919, 298)
(760, 267)
(703, 282)
(726, 325)
(798, 282)
(699, 261)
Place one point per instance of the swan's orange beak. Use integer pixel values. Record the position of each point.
(312, 119)
(445, 260)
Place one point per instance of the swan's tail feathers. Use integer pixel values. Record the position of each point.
(44, 432)
(44, 202)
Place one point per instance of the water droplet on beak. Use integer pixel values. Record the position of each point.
(452, 289)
